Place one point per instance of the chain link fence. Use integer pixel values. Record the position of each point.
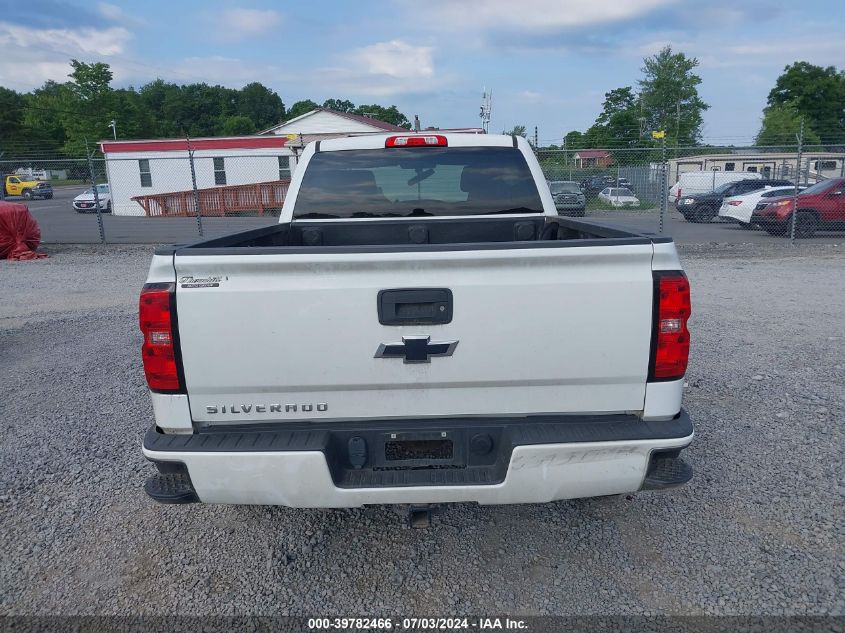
(696, 194)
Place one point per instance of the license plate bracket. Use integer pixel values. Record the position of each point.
(425, 449)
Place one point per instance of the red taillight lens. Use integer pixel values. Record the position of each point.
(156, 314)
(735, 203)
(670, 338)
(429, 140)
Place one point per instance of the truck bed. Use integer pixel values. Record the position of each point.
(425, 234)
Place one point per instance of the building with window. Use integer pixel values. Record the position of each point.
(144, 167)
(593, 158)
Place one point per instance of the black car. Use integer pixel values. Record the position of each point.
(703, 207)
(594, 184)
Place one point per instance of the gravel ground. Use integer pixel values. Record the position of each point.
(758, 531)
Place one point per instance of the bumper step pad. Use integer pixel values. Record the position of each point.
(666, 472)
(171, 488)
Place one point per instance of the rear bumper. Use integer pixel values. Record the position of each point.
(527, 460)
(733, 215)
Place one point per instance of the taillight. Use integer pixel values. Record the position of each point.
(670, 336)
(433, 140)
(735, 203)
(680, 193)
(160, 351)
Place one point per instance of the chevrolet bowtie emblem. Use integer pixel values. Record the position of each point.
(416, 349)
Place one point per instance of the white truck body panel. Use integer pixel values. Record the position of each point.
(533, 335)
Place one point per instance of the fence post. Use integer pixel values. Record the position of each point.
(797, 182)
(90, 156)
(664, 192)
(194, 185)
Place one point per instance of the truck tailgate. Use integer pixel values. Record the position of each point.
(286, 336)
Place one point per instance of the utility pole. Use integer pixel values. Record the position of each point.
(797, 182)
(535, 138)
(486, 109)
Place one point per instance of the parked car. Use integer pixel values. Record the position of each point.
(594, 184)
(820, 207)
(739, 208)
(692, 183)
(623, 182)
(407, 376)
(619, 197)
(568, 197)
(84, 202)
(27, 187)
(703, 207)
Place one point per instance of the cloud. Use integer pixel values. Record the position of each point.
(383, 69)
(114, 13)
(240, 23)
(45, 52)
(395, 59)
(218, 69)
(47, 14)
(536, 15)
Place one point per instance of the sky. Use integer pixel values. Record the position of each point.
(548, 63)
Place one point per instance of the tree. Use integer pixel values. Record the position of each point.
(11, 114)
(617, 126)
(301, 107)
(388, 115)
(816, 93)
(90, 81)
(262, 106)
(516, 130)
(340, 105)
(574, 140)
(238, 125)
(781, 125)
(669, 94)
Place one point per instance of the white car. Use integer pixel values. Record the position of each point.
(739, 208)
(84, 202)
(619, 197)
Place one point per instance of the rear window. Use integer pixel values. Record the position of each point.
(564, 187)
(417, 182)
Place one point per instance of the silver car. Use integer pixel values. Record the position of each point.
(568, 197)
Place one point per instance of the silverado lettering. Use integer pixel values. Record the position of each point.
(263, 408)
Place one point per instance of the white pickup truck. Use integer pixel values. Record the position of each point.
(420, 327)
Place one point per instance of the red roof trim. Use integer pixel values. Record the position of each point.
(181, 145)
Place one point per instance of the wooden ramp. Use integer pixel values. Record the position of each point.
(258, 198)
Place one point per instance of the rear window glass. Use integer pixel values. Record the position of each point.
(564, 187)
(417, 182)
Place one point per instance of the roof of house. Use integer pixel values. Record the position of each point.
(181, 144)
(592, 153)
(358, 118)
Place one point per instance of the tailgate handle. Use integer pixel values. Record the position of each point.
(415, 306)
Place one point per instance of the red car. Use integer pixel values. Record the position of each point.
(820, 207)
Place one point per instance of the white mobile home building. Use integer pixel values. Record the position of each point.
(139, 168)
(815, 166)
